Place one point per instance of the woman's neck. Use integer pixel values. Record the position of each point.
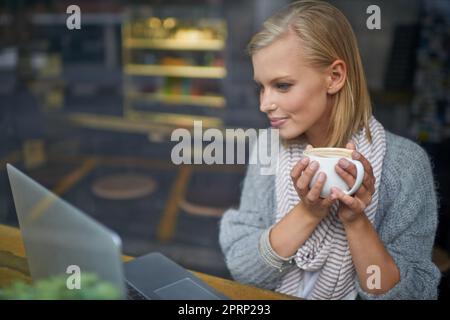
(317, 141)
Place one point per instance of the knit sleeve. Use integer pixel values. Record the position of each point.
(409, 224)
(241, 230)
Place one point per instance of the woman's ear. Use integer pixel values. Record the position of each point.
(337, 74)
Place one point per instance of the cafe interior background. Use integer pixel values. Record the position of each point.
(88, 113)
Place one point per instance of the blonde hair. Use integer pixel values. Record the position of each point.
(326, 36)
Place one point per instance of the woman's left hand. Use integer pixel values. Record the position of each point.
(352, 208)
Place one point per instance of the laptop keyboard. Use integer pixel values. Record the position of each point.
(133, 294)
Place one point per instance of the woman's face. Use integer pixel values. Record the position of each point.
(292, 94)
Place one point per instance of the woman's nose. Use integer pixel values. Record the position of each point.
(266, 104)
(267, 107)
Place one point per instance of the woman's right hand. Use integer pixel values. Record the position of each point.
(301, 175)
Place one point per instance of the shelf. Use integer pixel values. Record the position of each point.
(168, 102)
(206, 101)
(175, 71)
(173, 119)
(166, 44)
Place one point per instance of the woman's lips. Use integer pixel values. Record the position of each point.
(277, 122)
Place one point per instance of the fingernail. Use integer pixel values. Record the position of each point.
(321, 177)
(355, 155)
(343, 163)
(314, 165)
(304, 160)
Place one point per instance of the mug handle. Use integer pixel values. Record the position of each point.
(359, 177)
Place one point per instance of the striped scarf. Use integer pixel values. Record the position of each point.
(327, 249)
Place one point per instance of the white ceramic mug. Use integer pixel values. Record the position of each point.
(328, 158)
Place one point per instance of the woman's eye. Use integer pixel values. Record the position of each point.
(283, 86)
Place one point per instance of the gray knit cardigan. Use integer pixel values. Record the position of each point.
(406, 222)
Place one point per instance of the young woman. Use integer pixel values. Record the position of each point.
(376, 244)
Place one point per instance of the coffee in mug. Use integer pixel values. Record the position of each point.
(327, 159)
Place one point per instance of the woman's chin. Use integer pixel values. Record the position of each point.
(287, 134)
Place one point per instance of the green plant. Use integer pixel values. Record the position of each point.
(55, 288)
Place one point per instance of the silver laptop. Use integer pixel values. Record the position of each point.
(57, 235)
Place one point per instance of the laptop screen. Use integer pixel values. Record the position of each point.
(59, 238)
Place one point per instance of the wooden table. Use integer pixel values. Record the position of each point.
(13, 267)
